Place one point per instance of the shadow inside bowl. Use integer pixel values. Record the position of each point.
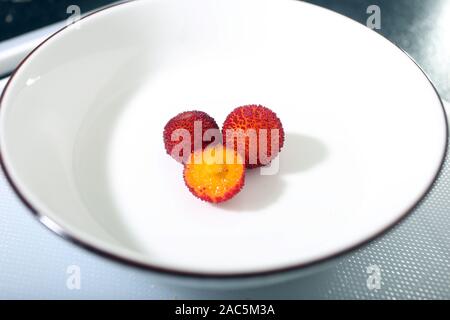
(300, 153)
(91, 154)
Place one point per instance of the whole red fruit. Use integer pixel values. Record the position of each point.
(249, 119)
(187, 120)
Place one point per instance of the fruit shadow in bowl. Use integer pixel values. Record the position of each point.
(300, 153)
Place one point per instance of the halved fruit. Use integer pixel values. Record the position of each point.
(214, 174)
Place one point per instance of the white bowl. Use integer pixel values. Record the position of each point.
(82, 119)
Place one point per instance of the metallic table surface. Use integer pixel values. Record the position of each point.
(413, 259)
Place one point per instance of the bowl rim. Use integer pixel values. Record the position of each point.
(58, 230)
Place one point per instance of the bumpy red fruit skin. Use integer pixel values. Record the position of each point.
(186, 120)
(254, 117)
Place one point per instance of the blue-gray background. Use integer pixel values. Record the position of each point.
(414, 257)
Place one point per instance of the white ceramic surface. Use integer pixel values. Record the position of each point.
(81, 132)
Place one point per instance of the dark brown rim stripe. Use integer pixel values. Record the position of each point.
(52, 226)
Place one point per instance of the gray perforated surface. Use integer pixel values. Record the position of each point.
(414, 257)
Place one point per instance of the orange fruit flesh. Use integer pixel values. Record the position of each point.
(214, 174)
